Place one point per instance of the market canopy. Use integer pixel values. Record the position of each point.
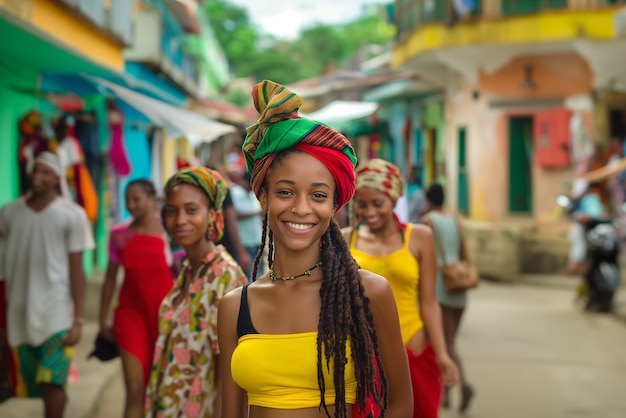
(196, 128)
(342, 115)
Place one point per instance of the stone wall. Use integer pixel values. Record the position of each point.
(506, 250)
(544, 254)
(495, 249)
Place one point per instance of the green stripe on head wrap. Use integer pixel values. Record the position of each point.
(279, 128)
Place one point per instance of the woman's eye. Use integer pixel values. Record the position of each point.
(170, 212)
(283, 193)
(319, 196)
(191, 210)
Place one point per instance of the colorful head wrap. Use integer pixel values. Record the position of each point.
(211, 183)
(381, 175)
(279, 128)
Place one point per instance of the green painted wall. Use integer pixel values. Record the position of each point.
(13, 105)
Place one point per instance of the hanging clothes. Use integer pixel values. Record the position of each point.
(80, 184)
(86, 131)
(32, 142)
(118, 154)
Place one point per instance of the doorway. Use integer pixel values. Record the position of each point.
(431, 155)
(520, 164)
(462, 198)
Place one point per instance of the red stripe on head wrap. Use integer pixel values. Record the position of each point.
(340, 167)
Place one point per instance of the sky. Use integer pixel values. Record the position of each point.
(286, 18)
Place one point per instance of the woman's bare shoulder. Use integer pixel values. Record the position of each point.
(374, 285)
(421, 230)
(231, 298)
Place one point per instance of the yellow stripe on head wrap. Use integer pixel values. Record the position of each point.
(381, 175)
(211, 183)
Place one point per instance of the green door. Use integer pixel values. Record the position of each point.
(520, 164)
(463, 206)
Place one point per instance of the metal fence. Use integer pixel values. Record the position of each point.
(410, 14)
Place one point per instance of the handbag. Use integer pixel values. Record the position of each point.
(458, 276)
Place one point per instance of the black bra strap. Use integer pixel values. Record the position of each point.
(244, 322)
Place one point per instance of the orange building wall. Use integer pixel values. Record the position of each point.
(555, 76)
(487, 144)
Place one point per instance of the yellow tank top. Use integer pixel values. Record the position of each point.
(280, 371)
(401, 269)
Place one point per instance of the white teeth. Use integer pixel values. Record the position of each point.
(298, 226)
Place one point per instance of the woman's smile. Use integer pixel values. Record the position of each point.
(300, 226)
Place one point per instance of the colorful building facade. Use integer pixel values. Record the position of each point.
(525, 87)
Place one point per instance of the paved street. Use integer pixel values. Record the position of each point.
(528, 351)
(531, 353)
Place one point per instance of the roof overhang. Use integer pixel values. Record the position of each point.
(196, 128)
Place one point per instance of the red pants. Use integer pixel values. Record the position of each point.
(426, 381)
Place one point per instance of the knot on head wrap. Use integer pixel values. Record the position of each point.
(381, 175)
(211, 183)
(279, 129)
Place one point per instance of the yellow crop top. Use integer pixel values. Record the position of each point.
(280, 371)
(401, 269)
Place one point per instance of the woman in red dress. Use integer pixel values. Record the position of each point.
(141, 248)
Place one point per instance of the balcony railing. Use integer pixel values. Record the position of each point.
(410, 14)
(112, 16)
(172, 46)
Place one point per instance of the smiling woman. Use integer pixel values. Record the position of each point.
(314, 308)
(184, 377)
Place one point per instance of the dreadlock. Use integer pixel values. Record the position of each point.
(259, 254)
(346, 313)
(345, 316)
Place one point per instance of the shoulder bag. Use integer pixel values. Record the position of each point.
(458, 276)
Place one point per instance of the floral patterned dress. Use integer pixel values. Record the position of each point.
(182, 381)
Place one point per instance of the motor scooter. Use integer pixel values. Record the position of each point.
(602, 242)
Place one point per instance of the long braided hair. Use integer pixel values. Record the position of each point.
(344, 314)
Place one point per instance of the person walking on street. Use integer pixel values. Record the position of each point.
(448, 231)
(248, 216)
(314, 309)
(184, 376)
(43, 236)
(141, 248)
(405, 255)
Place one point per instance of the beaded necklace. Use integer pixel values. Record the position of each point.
(306, 273)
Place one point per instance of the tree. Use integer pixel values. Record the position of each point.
(251, 54)
(234, 31)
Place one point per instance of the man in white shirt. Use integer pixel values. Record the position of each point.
(42, 239)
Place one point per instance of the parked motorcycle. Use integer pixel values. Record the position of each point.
(601, 244)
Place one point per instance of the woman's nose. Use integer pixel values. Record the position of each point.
(301, 206)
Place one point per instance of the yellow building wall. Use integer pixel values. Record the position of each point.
(169, 152)
(61, 25)
(535, 28)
